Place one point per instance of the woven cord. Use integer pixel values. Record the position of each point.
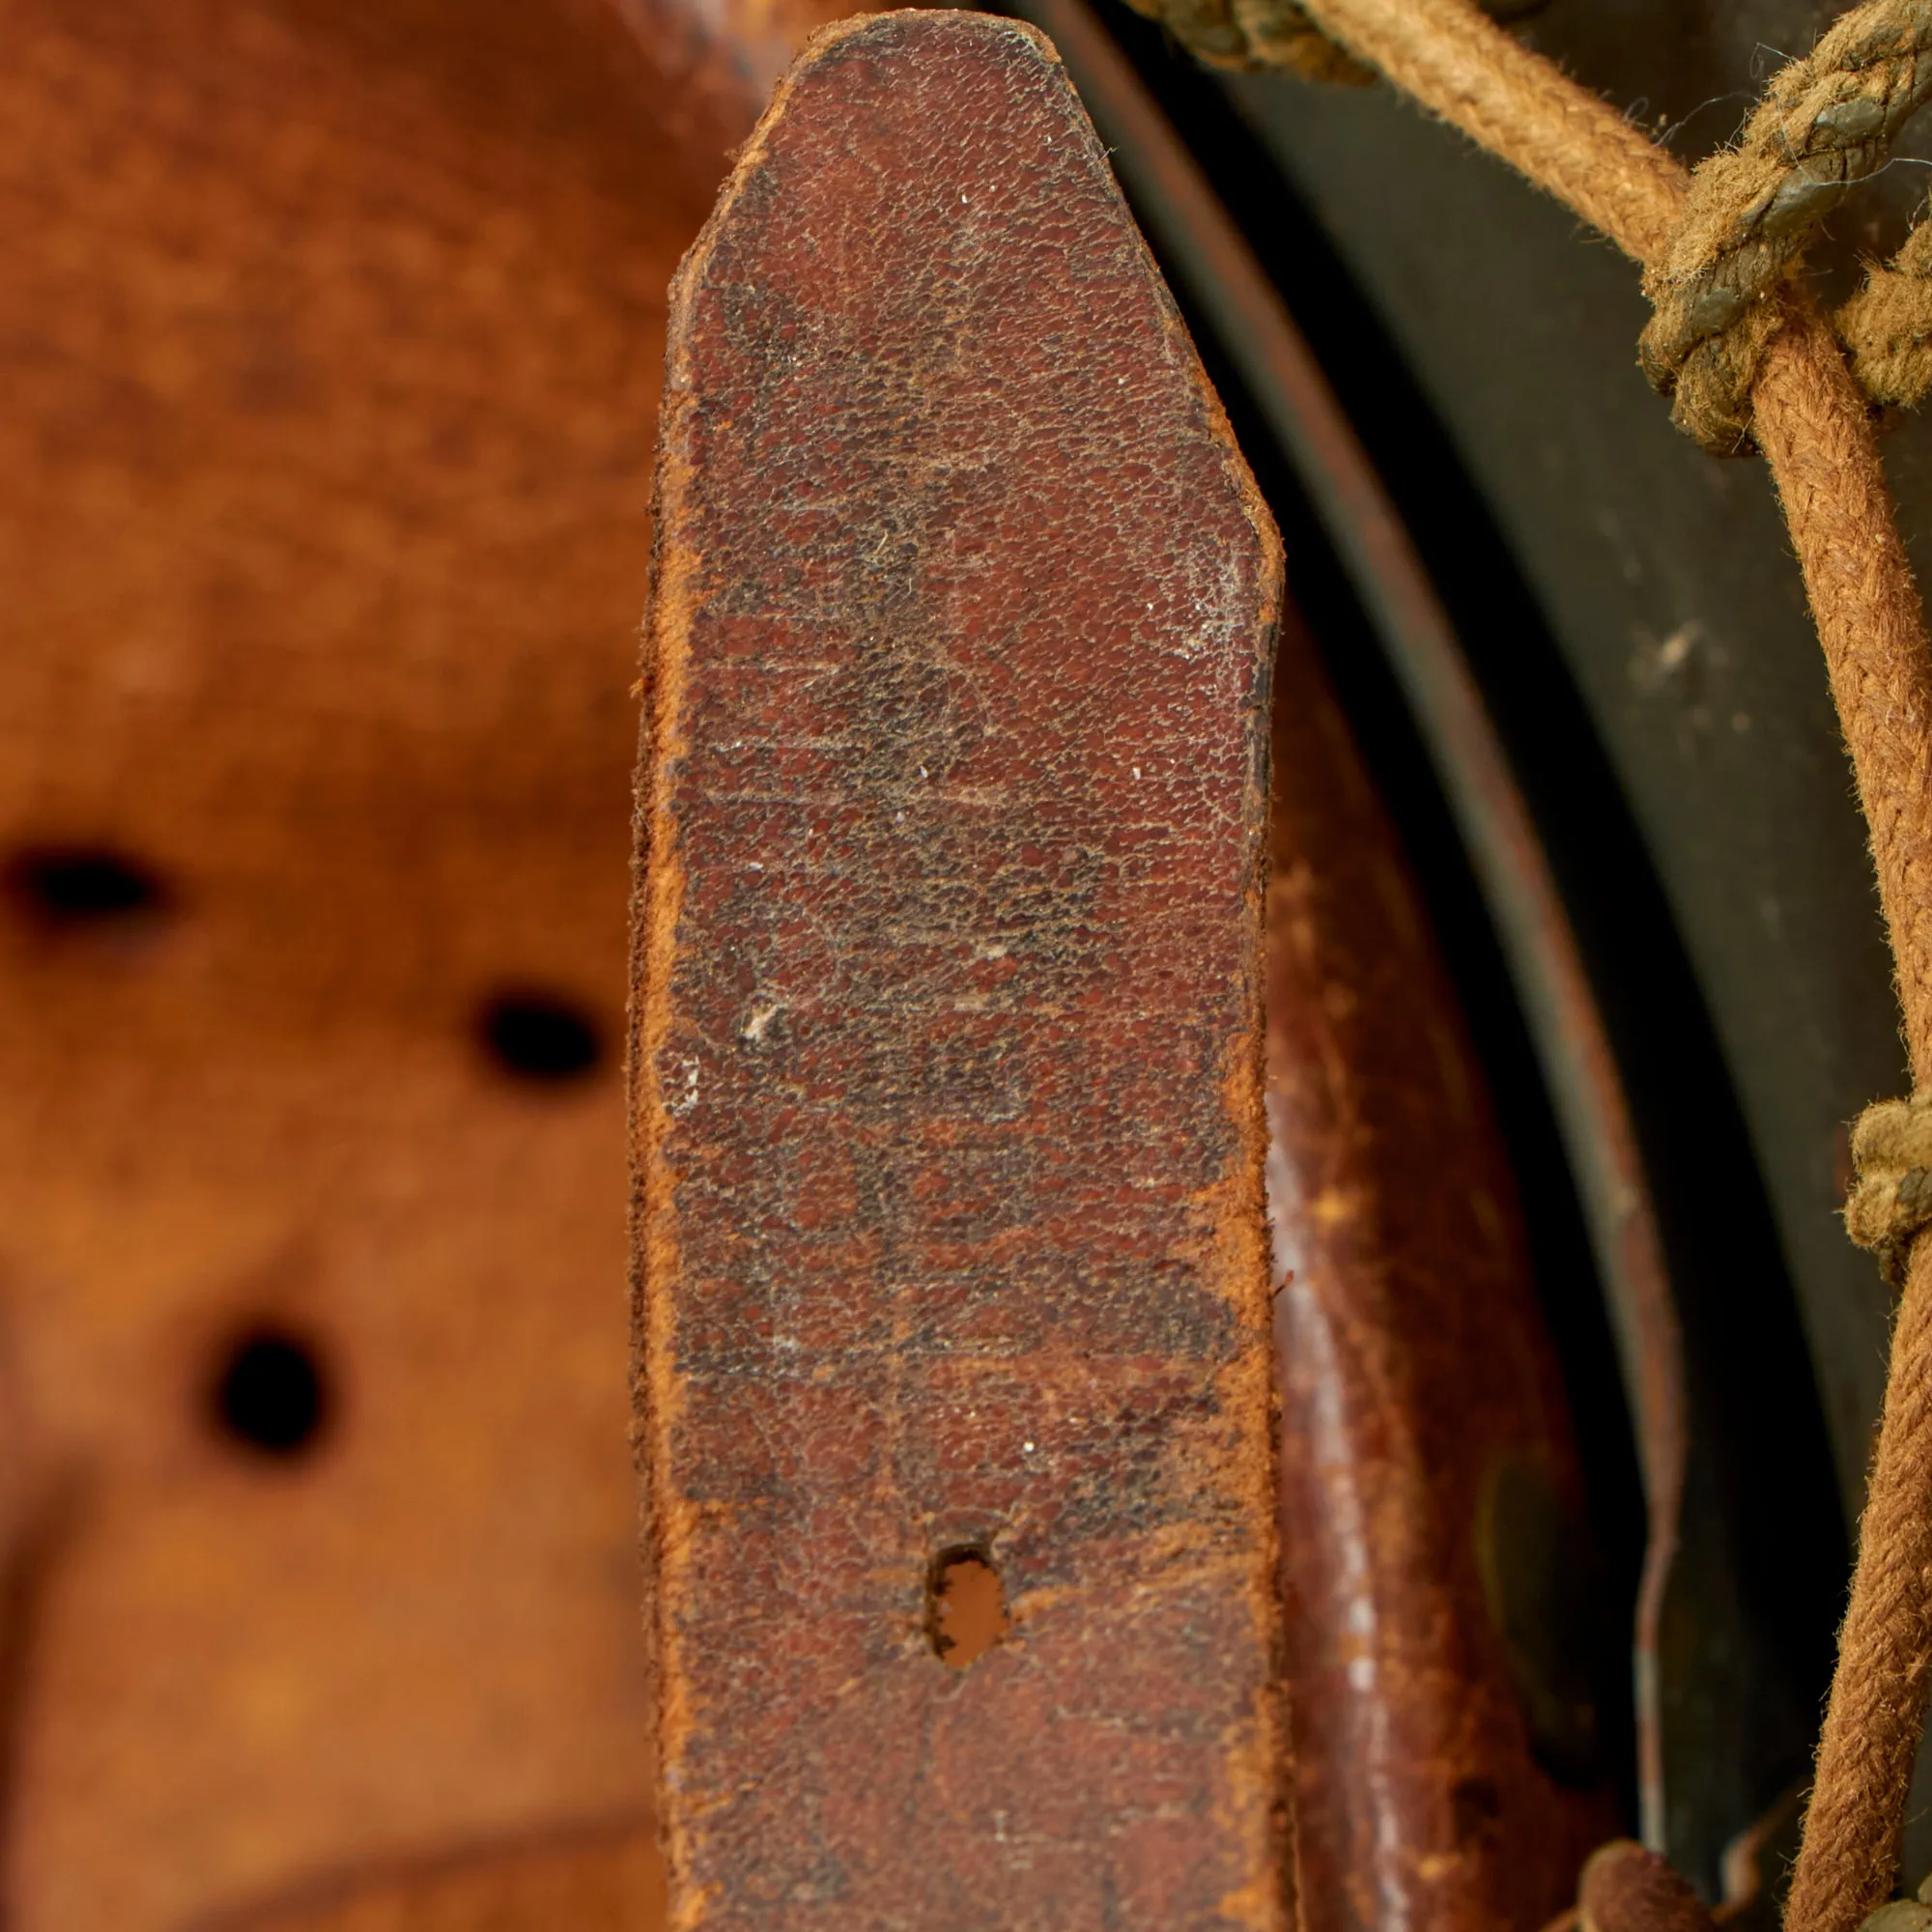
(1826, 122)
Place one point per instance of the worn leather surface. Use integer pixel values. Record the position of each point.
(331, 332)
(949, 1066)
(1435, 1572)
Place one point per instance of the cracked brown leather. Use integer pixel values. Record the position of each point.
(948, 1103)
(1428, 1484)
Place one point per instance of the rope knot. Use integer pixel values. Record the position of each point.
(1892, 1151)
(1246, 34)
(1826, 122)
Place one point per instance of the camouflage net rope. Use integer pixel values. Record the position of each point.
(1827, 122)
(1750, 362)
(1891, 1151)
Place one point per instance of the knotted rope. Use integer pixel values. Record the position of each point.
(1891, 1150)
(1887, 325)
(1813, 425)
(1827, 122)
(1257, 34)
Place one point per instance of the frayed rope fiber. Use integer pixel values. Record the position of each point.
(1887, 325)
(1827, 122)
(1892, 1151)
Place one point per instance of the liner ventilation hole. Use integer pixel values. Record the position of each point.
(82, 888)
(540, 1038)
(270, 1395)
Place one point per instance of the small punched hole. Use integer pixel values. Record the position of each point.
(73, 888)
(269, 1394)
(966, 1607)
(538, 1037)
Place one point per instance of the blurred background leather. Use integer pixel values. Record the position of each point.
(332, 339)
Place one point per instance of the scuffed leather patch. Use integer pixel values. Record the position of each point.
(948, 1051)
(1444, 1616)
